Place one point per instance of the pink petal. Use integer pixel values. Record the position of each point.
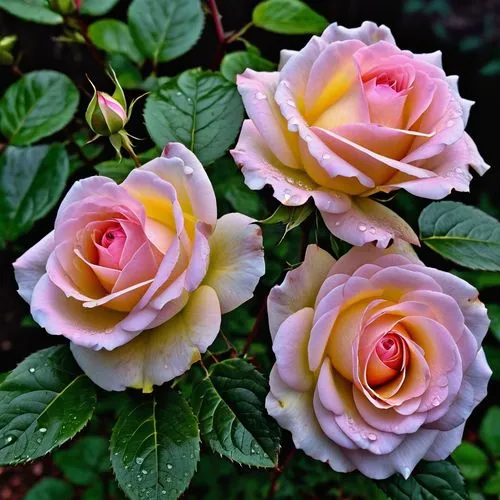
(368, 33)
(30, 267)
(299, 288)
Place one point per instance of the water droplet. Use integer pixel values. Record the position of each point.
(144, 471)
(188, 170)
(287, 195)
(9, 439)
(362, 228)
(139, 478)
(291, 103)
(326, 156)
(436, 401)
(406, 472)
(43, 430)
(260, 96)
(169, 466)
(178, 93)
(32, 370)
(163, 492)
(129, 485)
(252, 451)
(372, 436)
(293, 125)
(450, 123)
(169, 479)
(308, 138)
(189, 99)
(139, 460)
(373, 230)
(115, 453)
(337, 224)
(458, 170)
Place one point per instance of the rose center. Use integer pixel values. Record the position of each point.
(111, 246)
(390, 351)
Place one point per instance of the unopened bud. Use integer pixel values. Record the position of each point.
(105, 115)
(6, 46)
(65, 7)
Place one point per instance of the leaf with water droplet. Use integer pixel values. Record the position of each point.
(229, 403)
(44, 387)
(150, 444)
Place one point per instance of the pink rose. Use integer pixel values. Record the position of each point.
(378, 359)
(148, 254)
(351, 115)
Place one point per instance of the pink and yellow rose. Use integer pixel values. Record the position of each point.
(348, 116)
(137, 275)
(378, 359)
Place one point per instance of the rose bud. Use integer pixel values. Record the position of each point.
(65, 7)
(105, 115)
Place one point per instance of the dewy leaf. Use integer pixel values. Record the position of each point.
(32, 10)
(429, 481)
(97, 7)
(289, 17)
(155, 446)
(201, 109)
(165, 30)
(233, 420)
(44, 402)
(31, 181)
(114, 36)
(36, 106)
(462, 233)
(236, 63)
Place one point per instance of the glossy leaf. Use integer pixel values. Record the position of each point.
(31, 10)
(429, 481)
(236, 63)
(462, 233)
(127, 72)
(292, 217)
(482, 280)
(44, 402)
(165, 30)
(155, 446)
(233, 420)
(36, 106)
(289, 17)
(114, 36)
(471, 460)
(31, 181)
(201, 109)
(97, 7)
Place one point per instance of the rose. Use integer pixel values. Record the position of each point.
(378, 359)
(351, 115)
(148, 254)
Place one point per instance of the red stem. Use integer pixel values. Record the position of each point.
(219, 29)
(278, 470)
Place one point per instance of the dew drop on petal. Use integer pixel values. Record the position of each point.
(372, 436)
(373, 230)
(362, 228)
(308, 138)
(188, 170)
(326, 156)
(260, 96)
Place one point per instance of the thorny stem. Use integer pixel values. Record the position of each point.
(219, 29)
(259, 321)
(278, 470)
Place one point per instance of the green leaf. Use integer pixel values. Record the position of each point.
(461, 233)
(50, 488)
(489, 431)
(114, 36)
(339, 247)
(84, 460)
(118, 170)
(288, 17)
(31, 181)
(229, 404)
(201, 109)
(36, 106)
(155, 446)
(44, 402)
(492, 485)
(472, 461)
(236, 63)
(127, 72)
(292, 217)
(494, 315)
(429, 481)
(31, 10)
(165, 30)
(97, 7)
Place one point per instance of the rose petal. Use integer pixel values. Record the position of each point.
(236, 260)
(158, 355)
